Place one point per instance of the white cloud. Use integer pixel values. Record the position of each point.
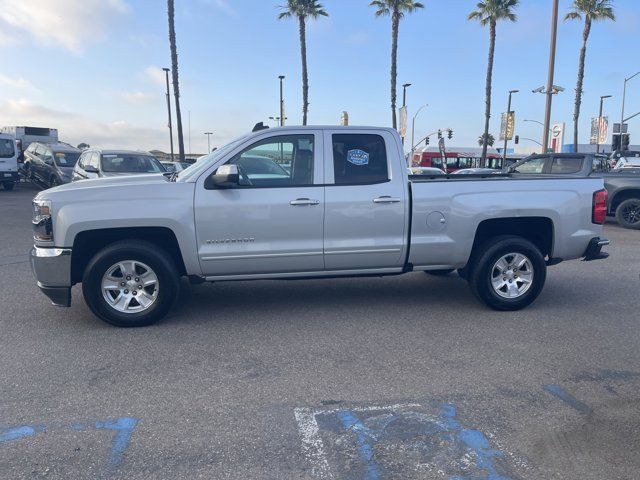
(67, 23)
(18, 83)
(75, 128)
(154, 74)
(137, 98)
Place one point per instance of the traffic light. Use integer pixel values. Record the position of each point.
(426, 141)
(439, 134)
(625, 141)
(450, 134)
(517, 139)
(615, 142)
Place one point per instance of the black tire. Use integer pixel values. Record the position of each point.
(8, 186)
(140, 251)
(482, 271)
(439, 273)
(628, 214)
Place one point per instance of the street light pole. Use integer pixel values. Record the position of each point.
(552, 64)
(404, 94)
(624, 96)
(600, 123)
(208, 134)
(506, 137)
(166, 74)
(281, 77)
(413, 132)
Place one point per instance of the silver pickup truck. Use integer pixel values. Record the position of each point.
(306, 202)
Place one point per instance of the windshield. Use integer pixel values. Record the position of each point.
(7, 149)
(66, 159)
(205, 162)
(130, 163)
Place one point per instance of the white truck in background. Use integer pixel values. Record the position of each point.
(25, 135)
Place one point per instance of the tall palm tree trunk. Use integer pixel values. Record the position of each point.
(487, 113)
(583, 54)
(174, 74)
(305, 74)
(395, 24)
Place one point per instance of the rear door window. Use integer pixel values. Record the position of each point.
(359, 159)
(535, 165)
(563, 165)
(7, 148)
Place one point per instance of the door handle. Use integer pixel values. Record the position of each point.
(386, 199)
(301, 202)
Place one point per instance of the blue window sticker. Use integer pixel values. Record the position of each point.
(358, 157)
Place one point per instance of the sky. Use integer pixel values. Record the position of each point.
(92, 68)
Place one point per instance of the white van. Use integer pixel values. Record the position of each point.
(8, 161)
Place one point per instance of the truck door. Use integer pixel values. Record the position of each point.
(366, 212)
(272, 222)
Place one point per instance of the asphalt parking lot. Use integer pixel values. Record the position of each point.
(400, 377)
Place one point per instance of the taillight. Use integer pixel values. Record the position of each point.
(599, 208)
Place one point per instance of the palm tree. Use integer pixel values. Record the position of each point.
(303, 9)
(489, 12)
(592, 11)
(490, 140)
(397, 10)
(174, 73)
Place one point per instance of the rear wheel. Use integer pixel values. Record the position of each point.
(508, 273)
(628, 213)
(130, 284)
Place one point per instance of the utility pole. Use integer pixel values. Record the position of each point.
(600, 122)
(166, 74)
(506, 137)
(281, 77)
(208, 134)
(624, 96)
(404, 94)
(552, 64)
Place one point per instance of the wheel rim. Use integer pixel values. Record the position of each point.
(130, 286)
(631, 213)
(512, 275)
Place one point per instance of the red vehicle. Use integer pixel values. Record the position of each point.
(457, 158)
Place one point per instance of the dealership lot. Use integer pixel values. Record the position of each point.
(400, 377)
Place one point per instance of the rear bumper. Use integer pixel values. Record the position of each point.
(594, 250)
(52, 269)
(8, 177)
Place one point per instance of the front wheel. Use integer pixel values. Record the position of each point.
(130, 284)
(508, 273)
(628, 213)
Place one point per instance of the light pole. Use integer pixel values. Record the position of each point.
(166, 74)
(413, 132)
(281, 77)
(624, 96)
(208, 134)
(552, 64)
(404, 94)
(600, 123)
(506, 137)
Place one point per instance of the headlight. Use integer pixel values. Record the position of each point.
(42, 226)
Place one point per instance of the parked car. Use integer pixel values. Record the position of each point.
(50, 164)
(477, 171)
(175, 166)
(8, 161)
(425, 171)
(97, 163)
(623, 185)
(347, 208)
(626, 160)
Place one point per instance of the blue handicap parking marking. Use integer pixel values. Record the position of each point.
(398, 441)
(122, 427)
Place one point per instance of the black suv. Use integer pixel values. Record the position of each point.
(50, 164)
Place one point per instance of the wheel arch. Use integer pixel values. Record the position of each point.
(87, 243)
(622, 195)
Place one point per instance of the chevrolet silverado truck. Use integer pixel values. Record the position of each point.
(622, 185)
(318, 202)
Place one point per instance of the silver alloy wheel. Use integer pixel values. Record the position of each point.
(512, 275)
(130, 286)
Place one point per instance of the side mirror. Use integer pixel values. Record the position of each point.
(91, 169)
(227, 176)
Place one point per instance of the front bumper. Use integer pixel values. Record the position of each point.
(594, 250)
(52, 269)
